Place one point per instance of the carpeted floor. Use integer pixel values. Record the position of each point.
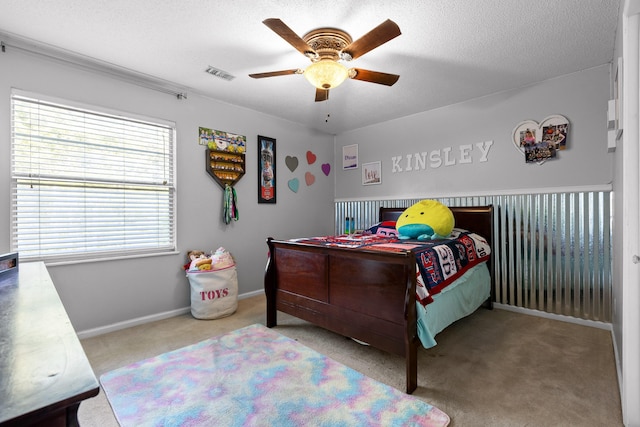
(493, 368)
(254, 376)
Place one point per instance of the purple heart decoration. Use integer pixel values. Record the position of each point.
(326, 168)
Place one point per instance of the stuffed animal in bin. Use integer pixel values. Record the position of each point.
(425, 220)
(222, 259)
(197, 260)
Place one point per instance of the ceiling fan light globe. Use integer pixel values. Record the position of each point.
(326, 74)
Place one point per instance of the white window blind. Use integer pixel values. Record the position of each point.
(89, 185)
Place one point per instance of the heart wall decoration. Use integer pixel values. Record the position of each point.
(311, 158)
(309, 178)
(293, 184)
(294, 163)
(539, 142)
(291, 162)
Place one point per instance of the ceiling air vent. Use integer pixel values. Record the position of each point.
(219, 73)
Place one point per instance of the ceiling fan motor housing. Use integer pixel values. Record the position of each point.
(327, 43)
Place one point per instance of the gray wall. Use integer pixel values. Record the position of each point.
(103, 293)
(97, 294)
(580, 97)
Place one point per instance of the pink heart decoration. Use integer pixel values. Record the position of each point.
(326, 168)
(311, 158)
(309, 178)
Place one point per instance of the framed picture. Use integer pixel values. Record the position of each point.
(371, 173)
(221, 140)
(350, 156)
(266, 170)
(542, 141)
(8, 263)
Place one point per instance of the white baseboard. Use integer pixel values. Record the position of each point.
(180, 311)
(560, 317)
(616, 355)
(147, 319)
(251, 294)
(132, 322)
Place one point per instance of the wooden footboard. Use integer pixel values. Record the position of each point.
(364, 294)
(367, 295)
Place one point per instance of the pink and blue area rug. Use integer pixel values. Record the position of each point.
(256, 377)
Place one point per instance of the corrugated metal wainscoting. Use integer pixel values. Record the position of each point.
(553, 252)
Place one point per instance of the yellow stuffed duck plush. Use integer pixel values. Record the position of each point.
(425, 220)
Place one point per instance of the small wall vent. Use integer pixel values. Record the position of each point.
(219, 73)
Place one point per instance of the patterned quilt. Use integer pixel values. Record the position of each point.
(438, 262)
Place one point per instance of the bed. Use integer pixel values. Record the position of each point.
(369, 293)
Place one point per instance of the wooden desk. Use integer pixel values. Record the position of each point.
(44, 372)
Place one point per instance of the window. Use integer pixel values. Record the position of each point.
(88, 184)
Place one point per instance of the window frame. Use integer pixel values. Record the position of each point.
(170, 247)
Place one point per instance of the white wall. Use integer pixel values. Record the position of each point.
(580, 97)
(626, 319)
(103, 293)
(618, 227)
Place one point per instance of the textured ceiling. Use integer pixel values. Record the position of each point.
(449, 51)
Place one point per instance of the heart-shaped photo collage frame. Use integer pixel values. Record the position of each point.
(539, 142)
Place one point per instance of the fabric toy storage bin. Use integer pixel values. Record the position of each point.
(214, 293)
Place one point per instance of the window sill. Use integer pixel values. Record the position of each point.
(102, 259)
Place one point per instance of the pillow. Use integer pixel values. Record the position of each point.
(425, 220)
(384, 228)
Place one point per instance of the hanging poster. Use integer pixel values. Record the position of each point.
(266, 170)
(350, 156)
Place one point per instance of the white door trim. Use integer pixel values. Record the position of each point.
(630, 388)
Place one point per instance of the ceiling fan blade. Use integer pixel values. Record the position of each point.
(276, 73)
(281, 29)
(373, 76)
(381, 34)
(322, 95)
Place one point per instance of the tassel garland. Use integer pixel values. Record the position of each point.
(230, 204)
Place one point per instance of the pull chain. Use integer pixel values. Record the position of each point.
(328, 112)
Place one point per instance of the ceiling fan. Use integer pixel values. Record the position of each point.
(325, 47)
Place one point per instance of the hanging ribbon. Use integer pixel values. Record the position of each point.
(230, 204)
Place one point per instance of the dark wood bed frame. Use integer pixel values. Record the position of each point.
(319, 284)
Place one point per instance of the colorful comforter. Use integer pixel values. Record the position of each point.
(438, 262)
